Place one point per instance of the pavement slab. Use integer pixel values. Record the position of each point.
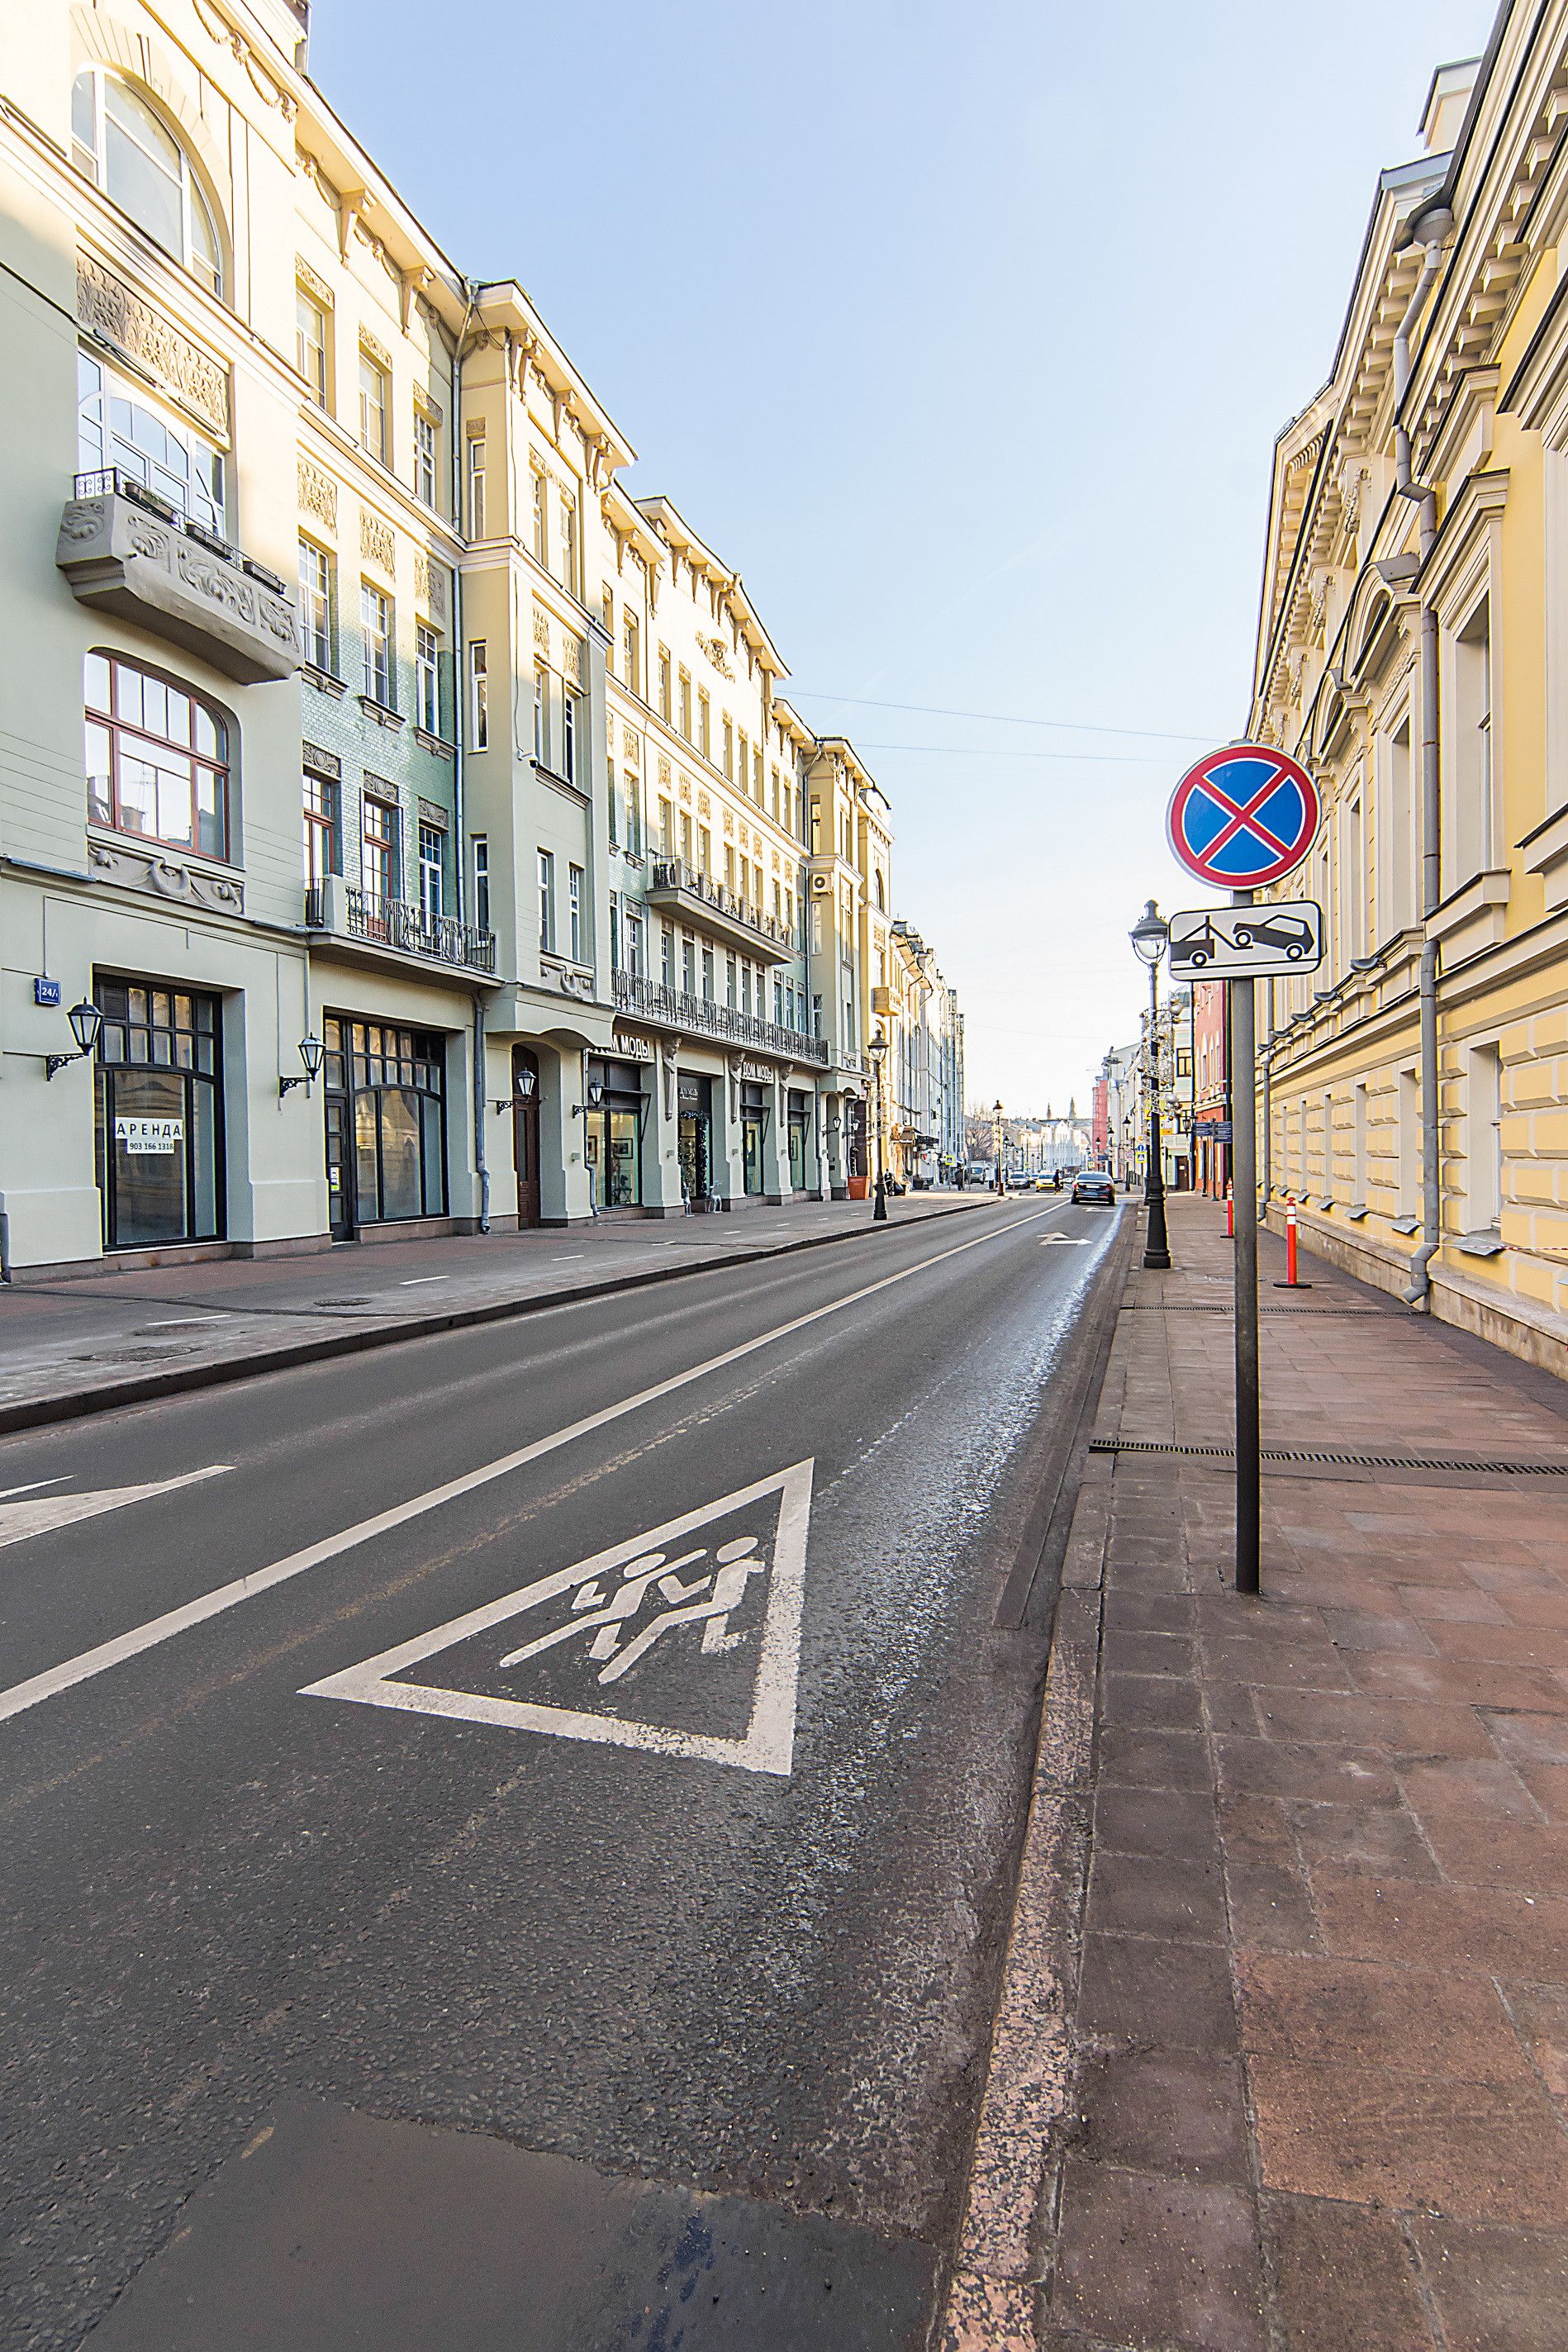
(1319, 2020)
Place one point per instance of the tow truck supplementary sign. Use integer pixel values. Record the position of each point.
(1243, 818)
(1260, 942)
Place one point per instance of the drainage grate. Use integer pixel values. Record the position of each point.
(1142, 1306)
(1347, 1461)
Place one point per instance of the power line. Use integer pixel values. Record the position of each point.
(987, 751)
(1010, 718)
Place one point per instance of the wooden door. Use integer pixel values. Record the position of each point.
(525, 1133)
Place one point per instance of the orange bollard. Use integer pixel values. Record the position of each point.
(1229, 1215)
(1290, 1282)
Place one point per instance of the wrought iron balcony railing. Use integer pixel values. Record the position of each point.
(674, 874)
(393, 923)
(697, 1016)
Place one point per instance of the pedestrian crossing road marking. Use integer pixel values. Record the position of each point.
(682, 1641)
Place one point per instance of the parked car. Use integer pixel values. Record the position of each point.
(1094, 1186)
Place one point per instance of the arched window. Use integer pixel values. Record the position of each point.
(118, 140)
(157, 758)
(118, 426)
(881, 894)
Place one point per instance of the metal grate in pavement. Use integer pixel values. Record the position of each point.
(1201, 1307)
(1347, 1461)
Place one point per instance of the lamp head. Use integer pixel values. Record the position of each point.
(526, 1082)
(878, 1046)
(85, 1020)
(1148, 935)
(595, 1093)
(312, 1053)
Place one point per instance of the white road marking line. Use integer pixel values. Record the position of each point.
(97, 1660)
(415, 1280)
(31, 1486)
(177, 1322)
(46, 1512)
(768, 1743)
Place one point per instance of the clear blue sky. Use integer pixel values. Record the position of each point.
(964, 334)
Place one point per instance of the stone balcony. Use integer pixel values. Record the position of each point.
(133, 553)
(384, 927)
(681, 889)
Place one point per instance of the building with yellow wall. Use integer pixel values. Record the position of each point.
(1413, 651)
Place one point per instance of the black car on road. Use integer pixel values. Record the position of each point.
(1093, 1185)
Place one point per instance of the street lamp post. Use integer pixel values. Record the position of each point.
(876, 1049)
(996, 1138)
(1149, 936)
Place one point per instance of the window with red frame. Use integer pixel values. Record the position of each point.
(157, 758)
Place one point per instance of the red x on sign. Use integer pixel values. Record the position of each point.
(1243, 816)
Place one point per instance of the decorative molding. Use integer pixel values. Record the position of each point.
(377, 541)
(571, 655)
(431, 813)
(686, 790)
(631, 744)
(317, 491)
(321, 763)
(541, 631)
(714, 649)
(664, 770)
(131, 326)
(261, 81)
(117, 555)
(374, 348)
(165, 878)
(430, 586)
(704, 805)
(314, 284)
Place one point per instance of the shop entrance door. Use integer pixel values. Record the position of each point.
(525, 1133)
(159, 1115)
(796, 1152)
(695, 1139)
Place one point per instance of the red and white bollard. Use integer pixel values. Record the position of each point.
(1290, 1282)
(1229, 1215)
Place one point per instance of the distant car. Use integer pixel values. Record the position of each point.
(1047, 1184)
(1093, 1185)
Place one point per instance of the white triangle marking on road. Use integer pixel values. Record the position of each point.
(768, 1744)
(1066, 1240)
(46, 1512)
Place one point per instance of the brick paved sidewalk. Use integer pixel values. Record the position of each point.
(1282, 2060)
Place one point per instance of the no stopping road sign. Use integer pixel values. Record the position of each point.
(1243, 816)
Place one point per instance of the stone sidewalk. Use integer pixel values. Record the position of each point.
(107, 1339)
(1281, 2064)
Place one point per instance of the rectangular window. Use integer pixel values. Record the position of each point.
(686, 706)
(631, 655)
(310, 345)
(729, 982)
(743, 769)
(540, 521)
(478, 695)
(708, 975)
(476, 485)
(481, 882)
(704, 725)
(431, 846)
(372, 407)
(425, 471)
(705, 849)
(688, 964)
(574, 878)
(685, 836)
(1483, 1138)
(426, 678)
(757, 775)
(634, 814)
(1469, 827)
(667, 955)
(569, 735)
(667, 828)
(664, 710)
(540, 715)
(729, 865)
(1409, 1144)
(375, 628)
(322, 835)
(633, 937)
(729, 741)
(569, 544)
(316, 606)
(378, 849)
(547, 902)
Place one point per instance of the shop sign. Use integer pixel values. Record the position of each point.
(757, 1073)
(150, 1134)
(633, 1049)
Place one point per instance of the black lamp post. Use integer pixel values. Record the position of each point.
(996, 1135)
(876, 1048)
(1149, 936)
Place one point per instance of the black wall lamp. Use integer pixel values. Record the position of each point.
(596, 1097)
(85, 1020)
(521, 1091)
(312, 1053)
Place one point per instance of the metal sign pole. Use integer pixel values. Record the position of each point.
(1244, 1164)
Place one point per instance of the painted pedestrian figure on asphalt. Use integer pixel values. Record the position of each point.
(708, 1600)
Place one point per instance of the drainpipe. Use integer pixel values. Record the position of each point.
(1432, 228)
(484, 1173)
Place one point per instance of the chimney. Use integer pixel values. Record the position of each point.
(1446, 102)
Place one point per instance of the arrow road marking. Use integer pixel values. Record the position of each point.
(19, 1520)
(97, 1660)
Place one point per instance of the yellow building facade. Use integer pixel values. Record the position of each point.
(1413, 652)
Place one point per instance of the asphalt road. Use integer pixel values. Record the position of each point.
(589, 1736)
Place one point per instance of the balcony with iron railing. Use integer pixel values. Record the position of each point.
(333, 907)
(127, 550)
(711, 906)
(697, 1016)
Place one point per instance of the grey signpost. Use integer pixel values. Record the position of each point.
(1242, 819)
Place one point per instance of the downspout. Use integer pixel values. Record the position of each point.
(1433, 227)
(460, 714)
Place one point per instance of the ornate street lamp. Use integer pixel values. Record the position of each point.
(876, 1048)
(312, 1053)
(1149, 936)
(85, 1020)
(996, 1135)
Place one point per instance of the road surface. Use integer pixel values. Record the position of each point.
(509, 1837)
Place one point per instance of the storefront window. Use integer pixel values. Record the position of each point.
(385, 1104)
(159, 1115)
(613, 1135)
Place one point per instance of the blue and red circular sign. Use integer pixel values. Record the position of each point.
(1243, 817)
